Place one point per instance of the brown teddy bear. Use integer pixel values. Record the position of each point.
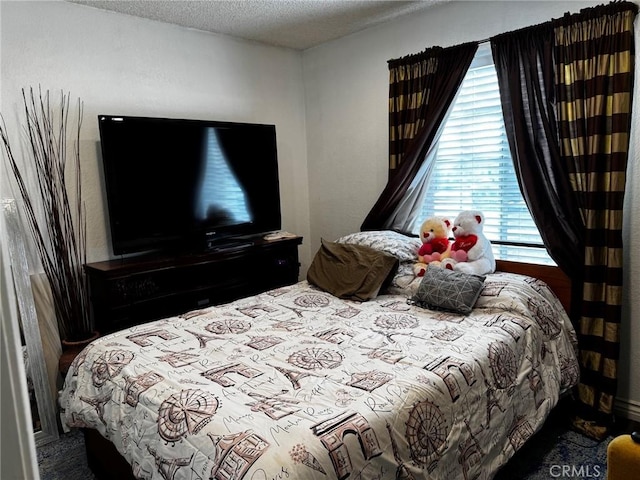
(434, 234)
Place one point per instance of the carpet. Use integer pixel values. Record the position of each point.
(64, 459)
(558, 453)
(554, 452)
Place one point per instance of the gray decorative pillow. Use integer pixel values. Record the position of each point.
(443, 289)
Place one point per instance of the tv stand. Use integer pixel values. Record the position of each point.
(136, 290)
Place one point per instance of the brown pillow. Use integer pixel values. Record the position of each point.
(351, 271)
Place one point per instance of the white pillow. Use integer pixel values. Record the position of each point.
(401, 246)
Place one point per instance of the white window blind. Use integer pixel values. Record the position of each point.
(473, 169)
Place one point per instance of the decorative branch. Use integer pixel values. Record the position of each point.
(59, 233)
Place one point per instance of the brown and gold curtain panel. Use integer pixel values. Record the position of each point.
(566, 89)
(410, 85)
(594, 81)
(421, 89)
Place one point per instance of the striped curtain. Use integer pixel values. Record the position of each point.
(410, 82)
(594, 54)
(421, 89)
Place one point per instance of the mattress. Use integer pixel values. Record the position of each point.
(297, 383)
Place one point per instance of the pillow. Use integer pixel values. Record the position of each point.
(351, 271)
(401, 246)
(402, 281)
(443, 289)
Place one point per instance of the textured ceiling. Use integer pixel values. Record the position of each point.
(298, 24)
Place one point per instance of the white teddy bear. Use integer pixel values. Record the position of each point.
(471, 251)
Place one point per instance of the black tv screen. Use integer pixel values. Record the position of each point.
(172, 184)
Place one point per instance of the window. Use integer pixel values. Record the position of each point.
(473, 169)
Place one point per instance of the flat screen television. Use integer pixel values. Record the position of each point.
(179, 185)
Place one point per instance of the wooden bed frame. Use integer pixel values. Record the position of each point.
(103, 458)
(106, 462)
(557, 280)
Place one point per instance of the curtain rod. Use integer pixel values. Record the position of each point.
(477, 42)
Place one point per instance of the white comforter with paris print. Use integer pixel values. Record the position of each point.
(295, 383)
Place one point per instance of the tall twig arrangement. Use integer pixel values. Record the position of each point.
(56, 219)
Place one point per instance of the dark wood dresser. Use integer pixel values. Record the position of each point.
(135, 290)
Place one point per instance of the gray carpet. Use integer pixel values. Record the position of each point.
(554, 452)
(558, 453)
(64, 459)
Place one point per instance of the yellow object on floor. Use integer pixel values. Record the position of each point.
(623, 459)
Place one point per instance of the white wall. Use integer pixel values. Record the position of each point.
(119, 64)
(346, 86)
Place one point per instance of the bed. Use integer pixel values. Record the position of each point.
(299, 383)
